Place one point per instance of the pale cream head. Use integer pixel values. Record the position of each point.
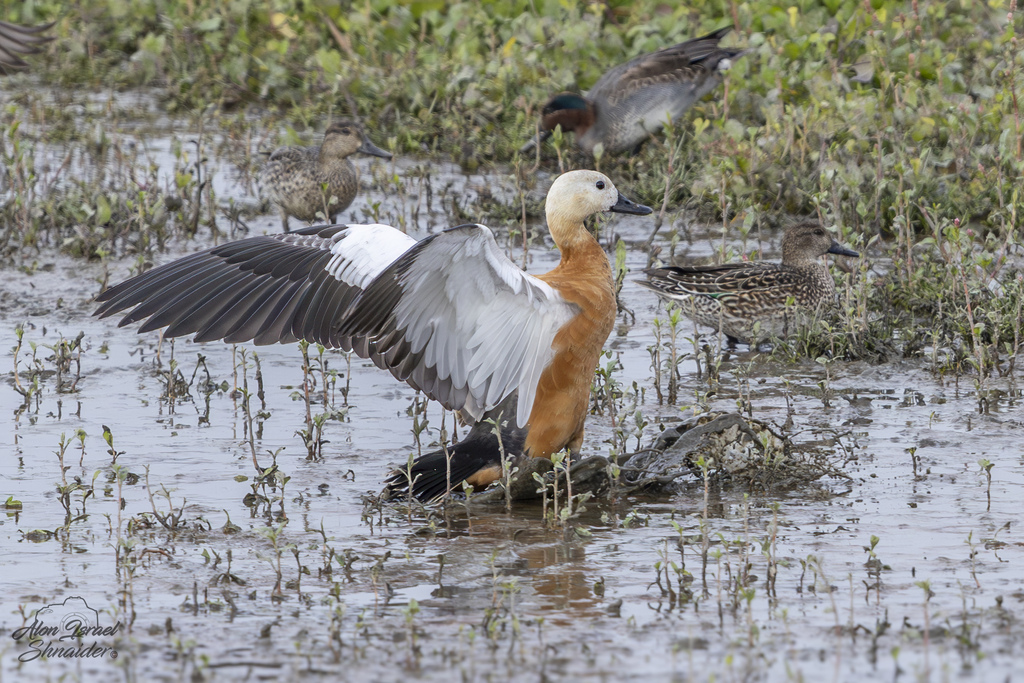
(578, 194)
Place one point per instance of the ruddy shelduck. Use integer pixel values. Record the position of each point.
(450, 315)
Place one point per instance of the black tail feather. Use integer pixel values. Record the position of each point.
(430, 474)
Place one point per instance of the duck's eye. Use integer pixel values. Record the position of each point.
(600, 184)
(346, 131)
(819, 232)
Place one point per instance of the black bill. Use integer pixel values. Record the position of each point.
(624, 205)
(369, 148)
(837, 248)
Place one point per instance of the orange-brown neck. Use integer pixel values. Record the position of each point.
(583, 278)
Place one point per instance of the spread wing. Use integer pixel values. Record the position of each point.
(268, 289)
(18, 40)
(450, 315)
(455, 318)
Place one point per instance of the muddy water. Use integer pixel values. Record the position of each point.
(309, 583)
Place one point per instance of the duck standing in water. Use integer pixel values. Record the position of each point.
(633, 101)
(752, 300)
(306, 181)
(15, 41)
(450, 315)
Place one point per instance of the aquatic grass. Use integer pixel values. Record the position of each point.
(65, 490)
(313, 435)
(253, 422)
(795, 129)
(507, 470)
(171, 520)
(606, 391)
(274, 535)
(89, 214)
(665, 354)
(29, 388)
(986, 467)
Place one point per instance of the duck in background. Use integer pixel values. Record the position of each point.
(450, 315)
(306, 181)
(633, 101)
(756, 300)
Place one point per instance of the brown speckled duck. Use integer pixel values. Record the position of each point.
(750, 301)
(633, 100)
(305, 181)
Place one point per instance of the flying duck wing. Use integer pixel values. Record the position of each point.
(458, 320)
(267, 289)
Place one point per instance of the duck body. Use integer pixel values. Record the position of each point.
(16, 41)
(633, 101)
(754, 301)
(306, 181)
(449, 315)
(584, 279)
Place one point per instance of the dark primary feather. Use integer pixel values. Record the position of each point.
(276, 289)
(266, 289)
(430, 474)
(16, 41)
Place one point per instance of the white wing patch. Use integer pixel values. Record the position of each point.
(485, 326)
(362, 252)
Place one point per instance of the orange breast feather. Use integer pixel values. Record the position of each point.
(584, 278)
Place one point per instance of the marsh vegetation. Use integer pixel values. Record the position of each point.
(219, 501)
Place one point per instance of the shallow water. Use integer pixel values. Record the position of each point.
(388, 593)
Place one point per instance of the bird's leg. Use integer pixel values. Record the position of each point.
(575, 446)
(284, 220)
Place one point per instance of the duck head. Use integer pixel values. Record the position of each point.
(570, 111)
(576, 195)
(804, 243)
(345, 138)
(574, 113)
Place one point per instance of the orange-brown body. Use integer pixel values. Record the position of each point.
(584, 278)
(481, 479)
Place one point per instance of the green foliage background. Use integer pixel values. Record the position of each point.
(936, 123)
(892, 120)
